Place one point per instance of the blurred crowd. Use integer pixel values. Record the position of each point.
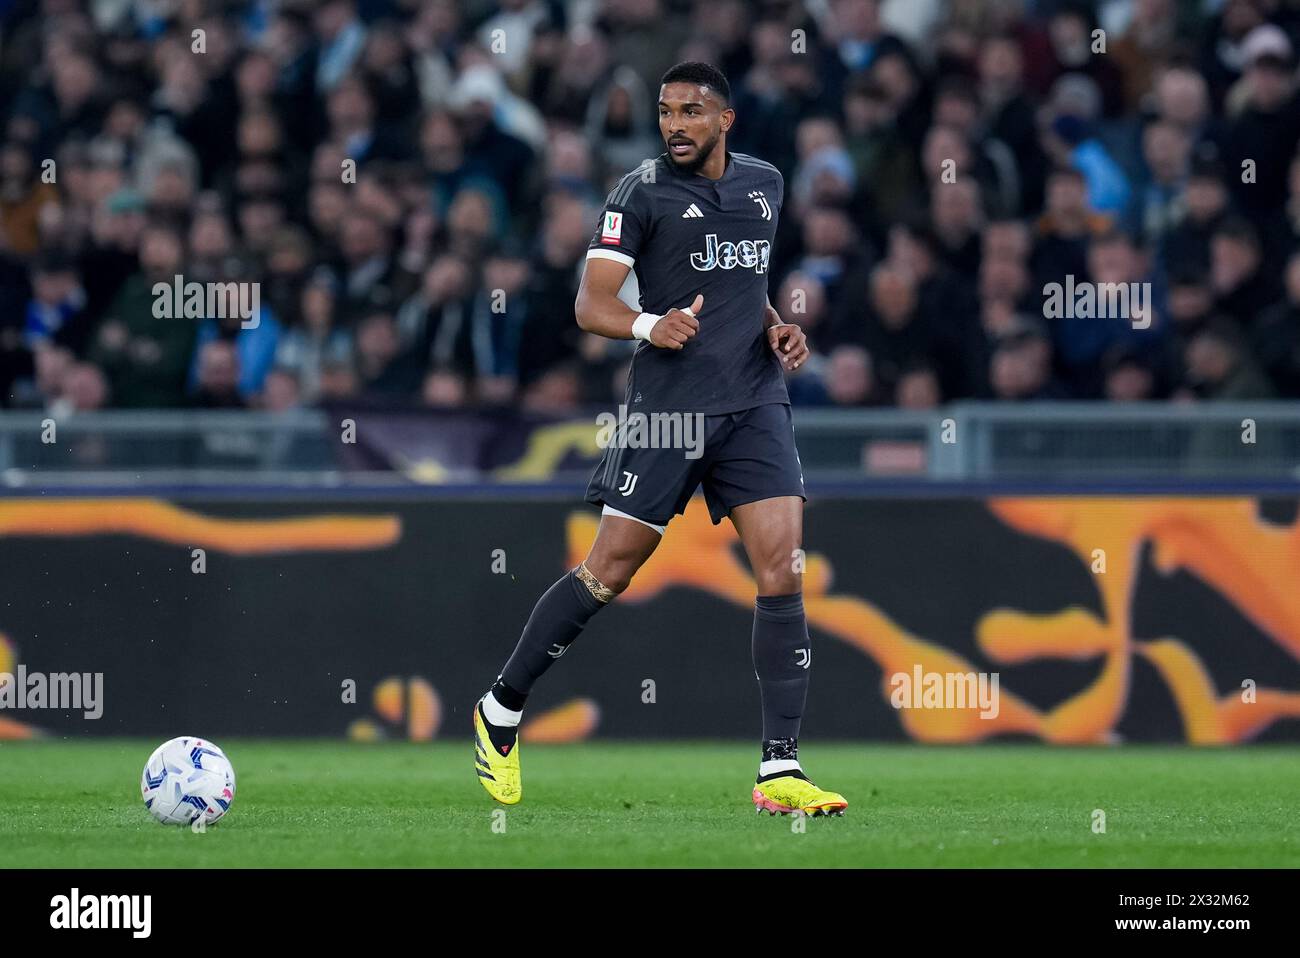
(413, 185)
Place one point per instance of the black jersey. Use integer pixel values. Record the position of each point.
(683, 234)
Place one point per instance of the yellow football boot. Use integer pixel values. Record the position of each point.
(497, 772)
(786, 794)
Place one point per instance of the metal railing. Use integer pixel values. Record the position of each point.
(1079, 441)
(166, 446)
(962, 443)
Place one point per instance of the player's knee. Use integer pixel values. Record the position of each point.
(615, 572)
(776, 572)
(777, 577)
(618, 581)
(614, 562)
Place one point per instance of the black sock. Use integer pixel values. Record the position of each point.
(502, 736)
(781, 750)
(782, 657)
(509, 698)
(558, 617)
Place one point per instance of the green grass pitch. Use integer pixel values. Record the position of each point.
(77, 804)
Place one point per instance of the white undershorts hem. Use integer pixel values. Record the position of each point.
(611, 511)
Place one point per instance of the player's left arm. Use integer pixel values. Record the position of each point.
(786, 339)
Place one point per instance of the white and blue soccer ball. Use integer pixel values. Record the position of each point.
(187, 778)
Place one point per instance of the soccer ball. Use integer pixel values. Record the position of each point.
(187, 778)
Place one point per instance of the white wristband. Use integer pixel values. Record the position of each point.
(642, 325)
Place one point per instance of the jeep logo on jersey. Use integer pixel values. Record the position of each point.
(747, 254)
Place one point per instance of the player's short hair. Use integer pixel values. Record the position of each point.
(704, 74)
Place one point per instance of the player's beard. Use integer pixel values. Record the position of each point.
(702, 155)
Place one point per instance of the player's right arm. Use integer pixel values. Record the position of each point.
(600, 311)
(625, 224)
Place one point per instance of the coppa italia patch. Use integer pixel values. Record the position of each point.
(612, 231)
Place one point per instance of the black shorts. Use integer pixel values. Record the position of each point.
(743, 457)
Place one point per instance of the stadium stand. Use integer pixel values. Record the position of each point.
(946, 163)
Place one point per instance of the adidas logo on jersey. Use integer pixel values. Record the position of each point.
(747, 254)
(692, 212)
